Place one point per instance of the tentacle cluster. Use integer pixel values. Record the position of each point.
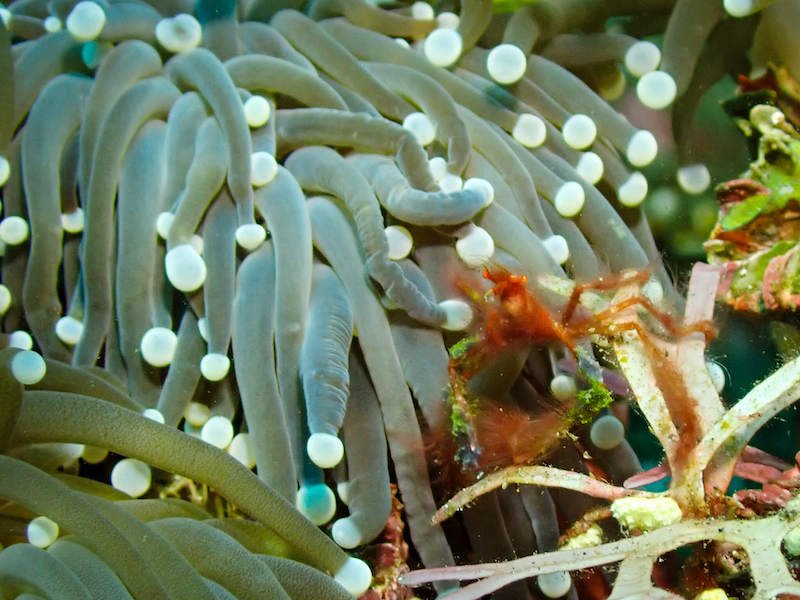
(233, 235)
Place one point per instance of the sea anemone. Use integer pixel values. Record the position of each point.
(243, 236)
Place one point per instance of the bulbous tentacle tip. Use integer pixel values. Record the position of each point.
(443, 47)
(656, 90)
(158, 346)
(346, 534)
(354, 576)
(180, 33)
(214, 366)
(554, 585)
(217, 431)
(86, 21)
(186, 269)
(642, 148)
(316, 502)
(459, 314)
(250, 236)
(325, 450)
(506, 64)
(28, 367)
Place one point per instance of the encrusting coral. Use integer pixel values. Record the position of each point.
(240, 237)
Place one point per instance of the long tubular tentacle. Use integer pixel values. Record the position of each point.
(46, 134)
(398, 411)
(253, 357)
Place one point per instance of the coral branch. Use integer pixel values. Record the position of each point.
(727, 438)
(536, 475)
(759, 537)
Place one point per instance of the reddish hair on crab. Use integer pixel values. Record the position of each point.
(512, 318)
(511, 315)
(509, 435)
(494, 436)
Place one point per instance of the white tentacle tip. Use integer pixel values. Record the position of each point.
(241, 448)
(475, 246)
(421, 126)
(20, 339)
(217, 431)
(5, 299)
(422, 11)
(642, 58)
(448, 20)
(14, 230)
(400, 241)
(72, 222)
(52, 24)
(257, 111)
(656, 90)
(163, 224)
(743, 8)
(354, 576)
(28, 367)
(633, 191)
(579, 131)
(250, 236)
(263, 168)
(180, 33)
(554, 585)
(530, 130)
(69, 330)
(343, 491)
(85, 21)
(506, 64)
(642, 148)
(153, 414)
(443, 47)
(325, 450)
(42, 532)
(158, 346)
(569, 199)
(450, 183)
(198, 243)
(563, 387)
(214, 366)
(694, 179)
(458, 314)
(483, 187)
(438, 167)
(202, 328)
(345, 533)
(196, 414)
(131, 476)
(185, 268)
(590, 167)
(607, 432)
(94, 455)
(557, 248)
(5, 170)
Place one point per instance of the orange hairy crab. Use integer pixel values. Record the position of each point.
(512, 317)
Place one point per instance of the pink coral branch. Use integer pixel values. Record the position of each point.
(647, 477)
(755, 472)
(756, 455)
(756, 465)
